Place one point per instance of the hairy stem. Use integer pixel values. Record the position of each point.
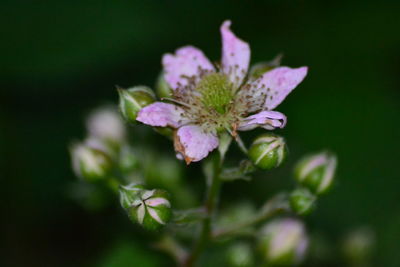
(210, 206)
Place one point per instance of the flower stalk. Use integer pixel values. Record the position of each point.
(210, 205)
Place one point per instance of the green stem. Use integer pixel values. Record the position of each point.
(274, 207)
(210, 206)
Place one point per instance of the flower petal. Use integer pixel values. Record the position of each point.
(193, 143)
(266, 119)
(155, 216)
(188, 61)
(141, 211)
(162, 114)
(153, 202)
(235, 55)
(278, 83)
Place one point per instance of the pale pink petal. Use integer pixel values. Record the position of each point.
(187, 62)
(278, 83)
(153, 202)
(266, 119)
(235, 55)
(194, 144)
(162, 114)
(155, 216)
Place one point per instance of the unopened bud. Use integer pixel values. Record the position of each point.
(162, 87)
(240, 255)
(358, 247)
(149, 208)
(316, 172)
(283, 242)
(106, 124)
(130, 193)
(89, 163)
(268, 151)
(302, 201)
(132, 100)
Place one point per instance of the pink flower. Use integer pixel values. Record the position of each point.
(207, 99)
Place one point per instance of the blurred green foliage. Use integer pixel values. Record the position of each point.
(59, 59)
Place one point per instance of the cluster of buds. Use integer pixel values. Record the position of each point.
(93, 159)
(268, 151)
(315, 175)
(149, 208)
(283, 242)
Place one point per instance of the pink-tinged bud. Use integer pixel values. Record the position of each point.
(149, 208)
(316, 172)
(302, 201)
(90, 163)
(268, 151)
(106, 124)
(283, 242)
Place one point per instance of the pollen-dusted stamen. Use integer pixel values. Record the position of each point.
(216, 91)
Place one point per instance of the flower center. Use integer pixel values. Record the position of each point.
(216, 92)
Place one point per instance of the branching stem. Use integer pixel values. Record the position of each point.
(274, 207)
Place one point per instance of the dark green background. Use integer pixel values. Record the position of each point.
(59, 59)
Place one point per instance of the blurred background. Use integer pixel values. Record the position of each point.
(60, 59)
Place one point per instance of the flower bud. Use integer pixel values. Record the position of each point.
(106, 124)
(358, 246)
(259, 69)
(90, 163)
(132, 100)
(130, 193)
(149, 208)
(240, 255)
(268, 151)
(283, 242)
(316, 172)
(302, 201)
(162, 87)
